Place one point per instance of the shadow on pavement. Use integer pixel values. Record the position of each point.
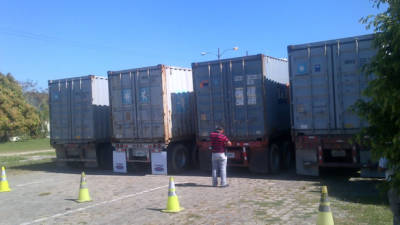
(154, 209)
(193, 185)
(347, 185)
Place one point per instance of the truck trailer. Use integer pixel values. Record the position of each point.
(152, 111)
(80, 121)
(243, 95)
(326, 79)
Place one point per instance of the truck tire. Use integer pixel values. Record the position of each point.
(287, 155)
(178, 158)
(274, 158)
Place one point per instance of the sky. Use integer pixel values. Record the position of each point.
(46, 40)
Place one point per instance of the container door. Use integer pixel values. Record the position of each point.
(82, 109)
(349, 81)
(245, 79)
(150, 109)
(209, 85)
(60, 110)
(123, 105)
(311, 86)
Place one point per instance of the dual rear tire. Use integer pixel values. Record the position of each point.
(274, 159)
(178, 158)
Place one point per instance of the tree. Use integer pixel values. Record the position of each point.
(382, 110)
(39, 98)
(17, 117)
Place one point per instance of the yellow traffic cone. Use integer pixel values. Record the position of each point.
(324, 214)
(3, 181)
(173, 202)
(83, 190)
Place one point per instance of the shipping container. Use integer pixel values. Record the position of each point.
(152, 110)
(240, 95)
(326, 79)
(80, 120)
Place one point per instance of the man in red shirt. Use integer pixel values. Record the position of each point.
(219, 158)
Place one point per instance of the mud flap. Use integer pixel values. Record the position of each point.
(60, 154)
(307, 162)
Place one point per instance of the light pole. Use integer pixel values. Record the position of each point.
(221, 53)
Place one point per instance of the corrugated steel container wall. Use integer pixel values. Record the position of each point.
(238, 95)
(326, 80)
(152, 103)
(79, 110)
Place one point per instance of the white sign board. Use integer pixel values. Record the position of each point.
(159, 163)
(119, 162)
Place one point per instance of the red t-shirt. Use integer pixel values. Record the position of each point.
(218, 142)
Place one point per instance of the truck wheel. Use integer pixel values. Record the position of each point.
(178, 158)
(287, 155)
(274, 158)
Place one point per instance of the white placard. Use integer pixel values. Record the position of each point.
(239, 96)
(159, 163)
(119, 162)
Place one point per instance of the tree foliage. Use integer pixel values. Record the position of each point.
(39, 98)
(382, 110)
(17, 117)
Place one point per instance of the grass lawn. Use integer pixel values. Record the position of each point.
(356, 200)
(23, 146)
(29, 159)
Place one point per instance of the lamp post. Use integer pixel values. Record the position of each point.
(219, 54)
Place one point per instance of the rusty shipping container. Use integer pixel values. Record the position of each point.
(240, 95)
(80, 119)
(152, 110)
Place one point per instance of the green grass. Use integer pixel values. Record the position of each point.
(23, 160)
(357, 213)
(23, 146)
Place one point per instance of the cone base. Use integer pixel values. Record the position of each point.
(325, 218)
(80, 201)
(172, 210)
(4, 187)
(84, 196)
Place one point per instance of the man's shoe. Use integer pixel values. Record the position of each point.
(224, 186)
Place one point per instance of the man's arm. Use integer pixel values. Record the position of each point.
(228, 142)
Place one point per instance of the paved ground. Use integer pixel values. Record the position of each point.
(48, 197)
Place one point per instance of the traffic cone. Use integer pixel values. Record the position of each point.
(324, 214)
(173, 202)
(3, 181)
(83, 190)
